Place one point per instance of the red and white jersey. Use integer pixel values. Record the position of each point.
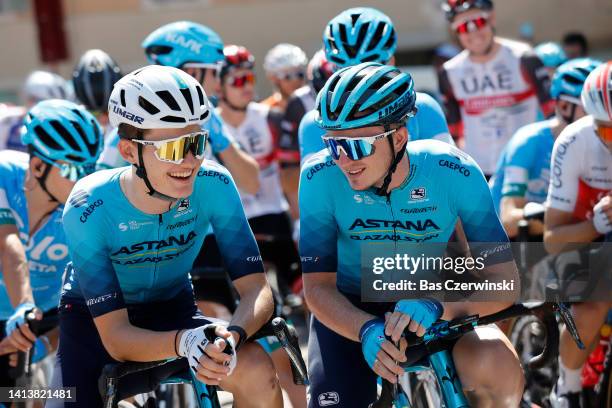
(581, 170)
(257, 136)
(11, 121)
(487, 102)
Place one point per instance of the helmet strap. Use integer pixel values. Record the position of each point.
(42, 182)
(141, 172)
(570, 118)
(382, 190)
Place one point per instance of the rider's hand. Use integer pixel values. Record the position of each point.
(380, 354)
(416, 314)
(602, 215)
(17, 331)
(204, 349)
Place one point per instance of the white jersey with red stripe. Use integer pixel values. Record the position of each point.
(581, 170)
(258, 138)
(490, 101)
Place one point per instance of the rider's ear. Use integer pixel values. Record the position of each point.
(400, 137)
(128, 150)
(37, 166)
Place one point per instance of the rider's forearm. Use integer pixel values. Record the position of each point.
(129, 343)
(290, 180)
(15, 270)
(556, 239)
(254, 310)
(334, 310)
(510, 218)
(243, 168)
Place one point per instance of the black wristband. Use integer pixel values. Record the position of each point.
(175, 336)
(241, 332)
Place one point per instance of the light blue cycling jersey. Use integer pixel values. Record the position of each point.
(46, 250)
(123, 256)
(444, 184)
(219, 139)
(523, 169)
(429, 123)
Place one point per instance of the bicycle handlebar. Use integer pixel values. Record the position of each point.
(435, 337)
(38, 327)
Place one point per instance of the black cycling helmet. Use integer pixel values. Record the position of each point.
(93, 79)
(454, 7)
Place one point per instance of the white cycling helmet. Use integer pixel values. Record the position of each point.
(156, 97)
(284, 57)
(597, 93)
(43, 85)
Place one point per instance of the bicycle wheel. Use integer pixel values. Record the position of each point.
(528, 338)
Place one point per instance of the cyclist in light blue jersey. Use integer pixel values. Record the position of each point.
(63, 141)
(523, 170)
(371, 37)
(133, 234)
(198, 50)
(372, 186)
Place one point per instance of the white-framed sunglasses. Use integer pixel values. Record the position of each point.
(355, 148)
(175, 150)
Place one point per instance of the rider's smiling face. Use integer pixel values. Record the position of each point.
(371, 170)
(174, 180)
(479, 40)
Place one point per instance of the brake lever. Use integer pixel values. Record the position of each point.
(567, 318)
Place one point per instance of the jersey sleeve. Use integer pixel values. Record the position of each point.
(451, 105)
(431, 120)
(564, 172)
(310, 136)
(84, 226)
(289, 150)
(6, 213)
(318, 228)
(232, 231)
(218, 135)
(536, 75)
(519, 157)
(474, 206)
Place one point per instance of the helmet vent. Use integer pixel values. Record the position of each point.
(45, 138)
(173, 119)
(200, 95)
(155, 50)
(204, 115)
(187, 95)
(147, 106)
(380, 29)
(66, 136)
(167, 97)
(122, 97)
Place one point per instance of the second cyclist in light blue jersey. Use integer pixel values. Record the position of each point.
(523, 170)
(359, 35)
(63, 142)
(372, 187)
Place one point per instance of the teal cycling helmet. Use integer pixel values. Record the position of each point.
(183, 42)
(62, 130)
(569, 77)
(368, 94)
(361, 34)
(58, 130)
(551, 54)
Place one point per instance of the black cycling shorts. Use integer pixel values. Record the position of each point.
(81, 355)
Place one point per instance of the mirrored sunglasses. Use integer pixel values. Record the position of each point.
(175, 150)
